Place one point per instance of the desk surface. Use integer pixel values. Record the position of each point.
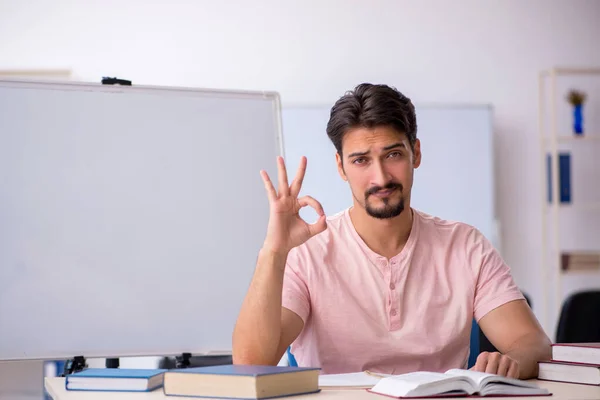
(560, 391)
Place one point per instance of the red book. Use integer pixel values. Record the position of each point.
(569, 372)
(583, 353)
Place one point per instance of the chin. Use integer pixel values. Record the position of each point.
(385, 212)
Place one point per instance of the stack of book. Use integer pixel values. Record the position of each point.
(573, 363)
(222, 381)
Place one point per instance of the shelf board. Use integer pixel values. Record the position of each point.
(572, 138)
(580, 273)
(573, 71)
(581, 206)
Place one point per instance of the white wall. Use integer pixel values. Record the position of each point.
(464, 51)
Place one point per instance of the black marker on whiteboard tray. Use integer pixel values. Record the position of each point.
(115, 81)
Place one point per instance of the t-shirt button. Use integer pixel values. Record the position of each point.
(392, 286)
(394, 313)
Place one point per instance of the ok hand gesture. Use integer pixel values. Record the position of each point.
(286, 229)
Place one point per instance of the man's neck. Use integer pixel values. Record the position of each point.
(386, 237)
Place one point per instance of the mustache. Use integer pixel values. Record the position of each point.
(391, 185)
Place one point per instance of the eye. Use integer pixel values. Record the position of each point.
(395, 154)
(359, 160)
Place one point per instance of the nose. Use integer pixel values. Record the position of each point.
(380, 176)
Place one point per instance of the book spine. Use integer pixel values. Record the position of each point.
(564, 162)
(564, 177)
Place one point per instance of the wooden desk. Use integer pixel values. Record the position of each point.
(560, 391)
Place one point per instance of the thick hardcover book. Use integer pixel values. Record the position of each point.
(241, 381)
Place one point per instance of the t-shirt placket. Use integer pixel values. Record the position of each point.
(393, 296)
(389, 270)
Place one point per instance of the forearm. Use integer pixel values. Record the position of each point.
(527, 351)
(258, 329)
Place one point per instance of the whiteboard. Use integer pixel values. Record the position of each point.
(455, 180)
(130, 217)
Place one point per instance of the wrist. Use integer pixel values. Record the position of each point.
(273, 251)
(273, 256)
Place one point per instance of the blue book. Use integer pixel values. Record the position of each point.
(564, 166)
(115, 380)
(564, 177)
(241, 381)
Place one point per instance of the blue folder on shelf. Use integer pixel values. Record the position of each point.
(564, 177)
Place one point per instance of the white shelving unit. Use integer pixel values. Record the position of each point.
(554, 138)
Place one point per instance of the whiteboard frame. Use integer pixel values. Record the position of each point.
(37, 83)
(202, 92)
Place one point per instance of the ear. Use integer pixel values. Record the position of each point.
(340, 166)
(417, 154)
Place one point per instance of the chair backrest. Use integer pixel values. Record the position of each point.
(579, 320)
(291, 359)
(474, 344)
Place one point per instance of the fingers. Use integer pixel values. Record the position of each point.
(321, 223)
(503, 365)
(492, 363)
(284, 188)
(480, 363)
(271, 193)
(297, 182)
(309, 201)
(513, 371)
(496, 363)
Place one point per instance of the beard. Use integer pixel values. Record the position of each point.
(390, 208)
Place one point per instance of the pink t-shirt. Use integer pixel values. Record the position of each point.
(412, 312)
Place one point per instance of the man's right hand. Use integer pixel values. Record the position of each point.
(286, 229)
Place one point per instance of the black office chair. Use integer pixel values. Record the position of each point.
(485, 344)
(579, 320)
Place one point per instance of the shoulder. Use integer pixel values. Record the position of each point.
(462, 240)
(446, 229)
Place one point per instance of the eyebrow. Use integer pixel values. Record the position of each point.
(395, 145)
(386, 148)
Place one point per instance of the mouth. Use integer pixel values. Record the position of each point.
(384, 193)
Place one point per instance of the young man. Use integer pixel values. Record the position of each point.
(379, 286)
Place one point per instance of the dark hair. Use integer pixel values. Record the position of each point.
(368, 106)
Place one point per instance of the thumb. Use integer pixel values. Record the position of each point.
(318, 226)
(321, 223)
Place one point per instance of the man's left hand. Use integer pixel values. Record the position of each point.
(496, 363)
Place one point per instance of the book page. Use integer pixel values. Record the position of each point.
(420, 377)
(354, 379)
(422, 383)
(481, 378)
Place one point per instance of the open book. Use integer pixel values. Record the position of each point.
(353, 380)
(454, 382)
